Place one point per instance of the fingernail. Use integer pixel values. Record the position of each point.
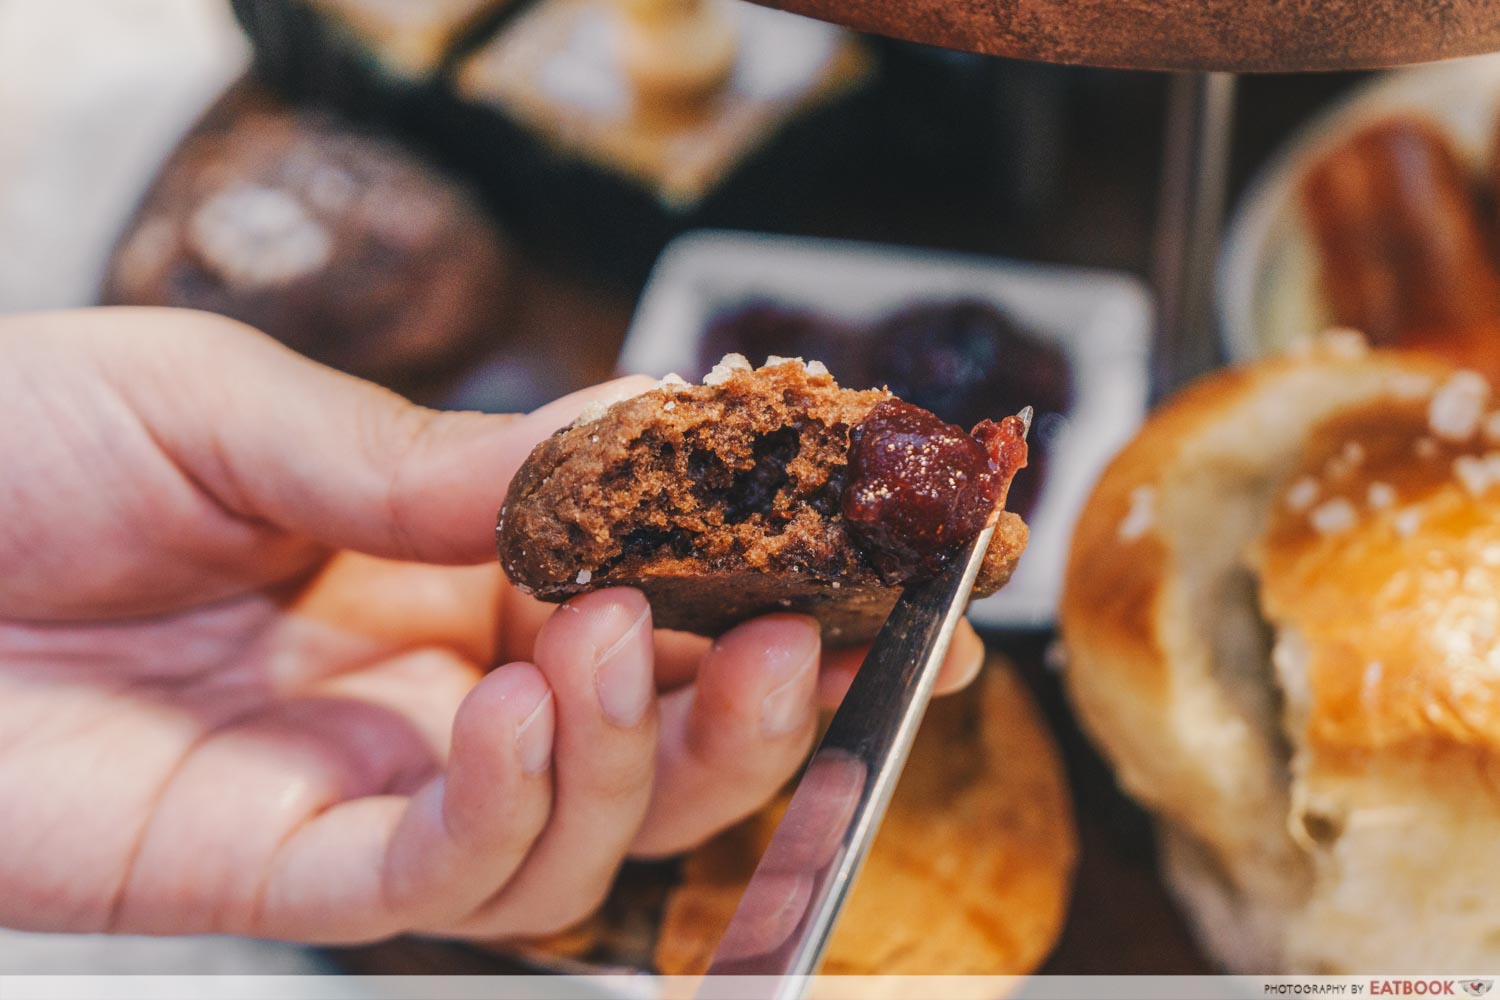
(788, 707)
(968, 656)
(534, 737)
(622, 675)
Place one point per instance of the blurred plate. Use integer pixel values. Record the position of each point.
(1101, 320)
(1268, 273)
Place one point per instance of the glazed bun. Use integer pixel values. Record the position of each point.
(1282, 620)
(971, 872)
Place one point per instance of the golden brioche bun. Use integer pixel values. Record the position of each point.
(1282, 621)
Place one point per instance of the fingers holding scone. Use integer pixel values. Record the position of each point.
(735, 736)
(960, 666)
(596, 654)
(373, 865)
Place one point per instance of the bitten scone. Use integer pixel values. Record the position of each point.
(761, 490)
(1282, 619)
(970, 873)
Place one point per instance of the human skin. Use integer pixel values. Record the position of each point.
(261, 674)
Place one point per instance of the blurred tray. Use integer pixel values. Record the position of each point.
(1234, 35)
(1101, 320)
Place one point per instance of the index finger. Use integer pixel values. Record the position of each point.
(960, 666)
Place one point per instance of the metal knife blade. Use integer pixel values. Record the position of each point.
(788, 910)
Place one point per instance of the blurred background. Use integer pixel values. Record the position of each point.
(488, 203)
(912, 145)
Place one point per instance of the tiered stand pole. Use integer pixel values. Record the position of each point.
(1190, 216)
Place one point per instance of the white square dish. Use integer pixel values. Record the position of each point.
(1101, 320)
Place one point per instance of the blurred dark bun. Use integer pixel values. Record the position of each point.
(344, 246)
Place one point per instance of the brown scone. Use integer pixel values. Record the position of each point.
(734, 498)
(342, 245)
(970, 874)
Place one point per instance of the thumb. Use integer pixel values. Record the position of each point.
(281, 439)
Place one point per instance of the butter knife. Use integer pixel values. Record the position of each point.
(787, 913)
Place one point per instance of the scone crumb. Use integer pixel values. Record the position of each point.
(726, 368)
(591, 413)
(816, 368)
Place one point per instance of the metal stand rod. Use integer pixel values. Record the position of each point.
(1195, 180)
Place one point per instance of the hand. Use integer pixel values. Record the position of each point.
(250, 619)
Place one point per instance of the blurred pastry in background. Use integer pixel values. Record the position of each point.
(1282, 629)
(969, 875)
(364, 57)
(342, 245)
(1402, 243)
(607, 126)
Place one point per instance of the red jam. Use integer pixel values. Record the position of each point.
(921, 489)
